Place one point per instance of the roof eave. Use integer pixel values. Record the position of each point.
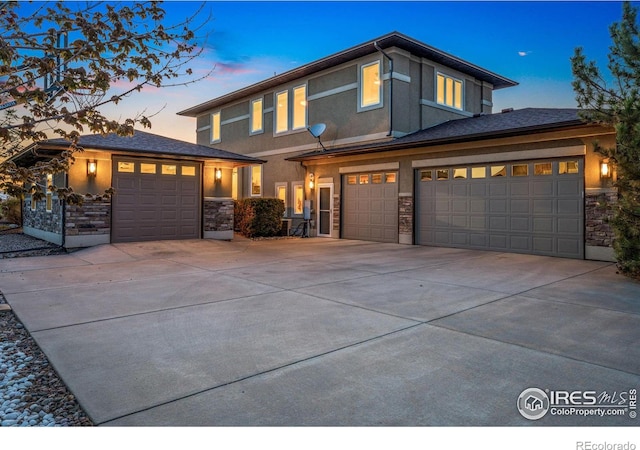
(393, 39)
(435, 142)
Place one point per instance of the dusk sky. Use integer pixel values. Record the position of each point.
(529, 42)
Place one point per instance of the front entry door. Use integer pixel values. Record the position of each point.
(325, 209)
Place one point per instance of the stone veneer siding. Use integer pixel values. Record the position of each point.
(336, 213)
(93, 217)
(41, 219)
(598, 212)
(218, 215)
(405, 218)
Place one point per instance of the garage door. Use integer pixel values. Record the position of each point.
(155, 199)
(531, 207)
(370, 206)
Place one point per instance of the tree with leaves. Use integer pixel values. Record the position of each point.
(61, 63)
(614, 101)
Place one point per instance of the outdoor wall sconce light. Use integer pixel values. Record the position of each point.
(311, 180)
(605, 169)
(92, 167)
(217, 174)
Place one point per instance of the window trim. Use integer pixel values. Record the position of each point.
(252, 130)
(285, 185)
(216, 127)
(444, 95)
(293, 108)
(251, 180)
(294, 186)
(380, 102)
(277, 112)
(289, 109)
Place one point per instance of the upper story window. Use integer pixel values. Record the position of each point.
(256, 116)
(215, 127)
(449, 91)
(291, 116)
(370, 85)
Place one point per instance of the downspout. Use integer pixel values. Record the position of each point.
(375, 44)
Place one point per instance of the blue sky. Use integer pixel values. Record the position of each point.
(529, 42)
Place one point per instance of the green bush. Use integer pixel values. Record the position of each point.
(258, 217)
(10, 210)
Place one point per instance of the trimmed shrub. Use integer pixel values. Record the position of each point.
(10, 210)
(258, 217)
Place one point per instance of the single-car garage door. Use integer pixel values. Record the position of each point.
(155, 199)
(531, 207)
(370, 206)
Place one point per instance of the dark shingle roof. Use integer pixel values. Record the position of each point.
(148, 143)
(393, 39)
(522, 121)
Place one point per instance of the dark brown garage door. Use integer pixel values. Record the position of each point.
(522, 207)
(155, 199)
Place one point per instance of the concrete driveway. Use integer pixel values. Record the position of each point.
(328, 332)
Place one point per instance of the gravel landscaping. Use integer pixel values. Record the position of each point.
(31, 392)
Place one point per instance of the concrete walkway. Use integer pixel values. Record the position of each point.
(325, 332)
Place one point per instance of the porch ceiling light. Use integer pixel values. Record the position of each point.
(92, 167)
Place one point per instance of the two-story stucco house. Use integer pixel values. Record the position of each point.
(396, 141)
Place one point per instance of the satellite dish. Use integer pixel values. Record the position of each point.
(317, 130)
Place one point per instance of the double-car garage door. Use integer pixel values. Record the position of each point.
(155, 199)
(531, 207)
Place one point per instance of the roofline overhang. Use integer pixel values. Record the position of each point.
(393, 39)
(437, 142)
(37, 150)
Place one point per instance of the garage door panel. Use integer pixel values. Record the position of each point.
(459, 238)
(460, 221)
(543, 244)
(460, 205)
(478, 222)
(477, 205)
(545, 206)
(520, 206)
(539, 211)
(498, 241)
(442, 205)
(498, 223)
(543, 224)
(519, 189)
(478, 189)
(442, 237)
(478, 240)
(459, 190)
(497, 205)
(569, 188)
(498, 189)
(569, 226)
(568, 247)
(568, 206)
(543, 188)
(520, 224)
(520, 243)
